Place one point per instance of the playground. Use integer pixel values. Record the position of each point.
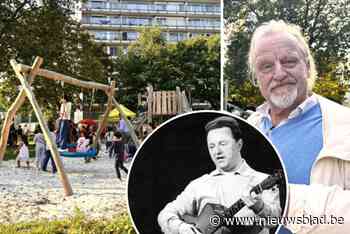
(85, 182)
(30, 194)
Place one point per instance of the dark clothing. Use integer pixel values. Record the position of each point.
(118, 151)
(46, 159)
(119, 164)
(132, 150)
(63, 135)
(19, 131)
(12, 140)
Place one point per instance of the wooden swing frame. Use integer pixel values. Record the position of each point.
(26, 75)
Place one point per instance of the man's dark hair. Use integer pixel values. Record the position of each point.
(37, 129)
(225, 121)
(51, 125)
(117, 134)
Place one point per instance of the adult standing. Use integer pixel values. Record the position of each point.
(124, 130)
(64, 120)
(40, 147)
(48, 155)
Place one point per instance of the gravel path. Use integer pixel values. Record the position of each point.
(29, 194)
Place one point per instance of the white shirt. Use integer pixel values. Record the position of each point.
(219, 188)
(78, 116)
(309, 102)
(65, 110)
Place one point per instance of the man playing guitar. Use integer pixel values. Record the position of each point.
(232, 181)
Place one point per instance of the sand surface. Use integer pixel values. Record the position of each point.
(29, 194)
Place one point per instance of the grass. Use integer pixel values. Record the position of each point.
(78, 224)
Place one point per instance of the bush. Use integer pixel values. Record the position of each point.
(78, 224)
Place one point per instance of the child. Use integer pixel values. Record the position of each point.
(83, 143)
(118, 150)
(109, 138)
(23, 153)
(40, 147)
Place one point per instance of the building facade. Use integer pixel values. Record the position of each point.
(115, 22)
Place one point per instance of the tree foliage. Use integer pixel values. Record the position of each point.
(47, 30)
(193, 65)
(326, 25)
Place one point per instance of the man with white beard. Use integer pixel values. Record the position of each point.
(311, 133)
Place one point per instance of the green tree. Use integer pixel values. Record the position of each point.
(199, 63)
(325, 24)
(193, 65)
(47, 31)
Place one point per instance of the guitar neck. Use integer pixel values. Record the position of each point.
(232, 210)
(267, 183)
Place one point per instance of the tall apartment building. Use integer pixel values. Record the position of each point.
(115, 22)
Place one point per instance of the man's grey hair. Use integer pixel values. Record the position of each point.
(274, 26)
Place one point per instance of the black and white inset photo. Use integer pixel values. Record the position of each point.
(206, 172)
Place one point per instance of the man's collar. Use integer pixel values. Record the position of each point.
(309, 102)
(243, 169)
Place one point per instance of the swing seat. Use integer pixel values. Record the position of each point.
(89, 154)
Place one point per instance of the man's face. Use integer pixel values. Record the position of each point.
(224, 150)
(281, 70)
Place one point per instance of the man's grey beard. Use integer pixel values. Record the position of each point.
(284, 101)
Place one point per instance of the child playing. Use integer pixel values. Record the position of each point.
(118, 150)
(83, 143)
(23, 153)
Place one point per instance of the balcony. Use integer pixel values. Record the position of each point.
(151, 9)
(133, 23)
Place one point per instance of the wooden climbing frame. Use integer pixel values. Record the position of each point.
(165, 103)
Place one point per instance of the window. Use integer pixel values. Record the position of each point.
(195, 7)
(177, 36)
(124, 36)
(132, 36)
(160, 7)
(161, 21)
(194, 22)
(172, 7)
(112, 51)
(114, 35)
(136, 6)
(101, 35)
(100, 20)
(115, 6)
(98, 5)
(115, 20)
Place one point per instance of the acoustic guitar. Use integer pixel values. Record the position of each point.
(212, 218)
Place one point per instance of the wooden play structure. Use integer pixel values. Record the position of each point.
(166, 103)
(26, 75)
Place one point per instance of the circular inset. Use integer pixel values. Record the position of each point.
(198, 170)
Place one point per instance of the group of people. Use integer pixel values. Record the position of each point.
(17, 134)
(42, 152)
(65, 133)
